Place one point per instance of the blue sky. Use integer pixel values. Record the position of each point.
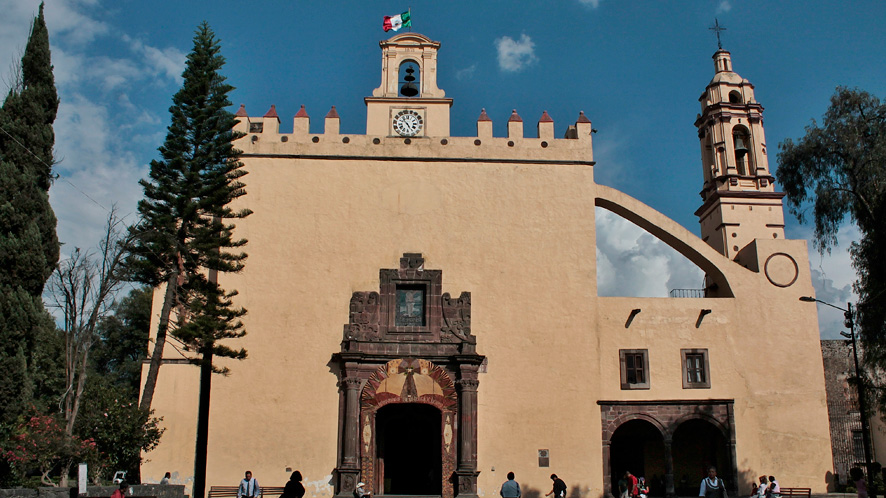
(636, 68)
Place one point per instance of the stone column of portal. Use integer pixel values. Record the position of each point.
(669, 469)
(467, 438)
(349, 472)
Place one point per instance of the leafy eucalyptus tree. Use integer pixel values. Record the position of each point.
(839, 169)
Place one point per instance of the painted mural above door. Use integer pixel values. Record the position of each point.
(409, 381)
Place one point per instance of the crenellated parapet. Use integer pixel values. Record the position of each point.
(263, 136)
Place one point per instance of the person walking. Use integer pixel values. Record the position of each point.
(121, 491)
(294, 488)
(166, 478)
(712, 486)
(633, 484)
(510, 488)
(559, 489)
(249, 487)
(857, 476)
(623, 491)
(643, 488)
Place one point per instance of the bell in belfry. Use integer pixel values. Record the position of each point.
(741, 147)
(409, 89)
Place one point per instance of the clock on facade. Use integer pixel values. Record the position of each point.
(408, 123)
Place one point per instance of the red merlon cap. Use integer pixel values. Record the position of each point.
(545, 118)
(241, 111)
(332, 113)
(483, 115)
(582, 118)
(515, 117)
(302, 113)
(272, 113)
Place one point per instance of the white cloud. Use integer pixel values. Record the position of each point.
(724, 7)
(591, 3)
(832, 277)
(168, 61)
(515, 55)
(631, 262)
(466, 73)
(95, 173)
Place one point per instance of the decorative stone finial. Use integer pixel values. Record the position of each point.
(515, 117)
(241, 112)
(483, 115)
(545, 118)
(302, 113)
(332, 113)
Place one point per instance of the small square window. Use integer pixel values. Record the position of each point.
(696, 371)
(634, 368)
(256, 127)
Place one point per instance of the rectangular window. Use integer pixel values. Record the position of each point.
(696, 371)
(256, 127)
(634, 368)
(857, 446)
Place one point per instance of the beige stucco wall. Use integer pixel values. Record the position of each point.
(521, 238)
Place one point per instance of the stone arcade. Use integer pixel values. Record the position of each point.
(527, 369)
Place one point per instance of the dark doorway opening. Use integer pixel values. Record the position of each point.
(699, 445)
(637, 446)
(410, 458)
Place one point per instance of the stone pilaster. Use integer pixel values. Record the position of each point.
(467, 436)
(349, 471)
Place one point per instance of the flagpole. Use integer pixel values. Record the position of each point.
(410, 19)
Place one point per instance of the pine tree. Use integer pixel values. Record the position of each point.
(185, 236)
(29, 247)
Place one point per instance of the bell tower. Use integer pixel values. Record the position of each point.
(408, 103)
(740, 203)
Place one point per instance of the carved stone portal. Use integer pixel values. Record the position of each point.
(408, 362)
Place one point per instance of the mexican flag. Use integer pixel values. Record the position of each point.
(394, 23)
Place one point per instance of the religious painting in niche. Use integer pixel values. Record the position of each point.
(409, 381)
(410, 306)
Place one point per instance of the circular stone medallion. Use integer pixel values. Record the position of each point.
(781, 269)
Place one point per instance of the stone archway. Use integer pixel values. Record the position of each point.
(409, 343)
(667, 416)
(398, 391)
(638, 446)
(698, 444)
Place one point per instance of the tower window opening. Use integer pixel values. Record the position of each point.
(741, 140)
(734, 97)
(410, 85)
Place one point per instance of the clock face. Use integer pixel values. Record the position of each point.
(408, 123)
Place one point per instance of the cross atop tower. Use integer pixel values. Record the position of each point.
(717, 29)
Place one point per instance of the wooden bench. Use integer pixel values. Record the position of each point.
(798, 492)
(231, 491)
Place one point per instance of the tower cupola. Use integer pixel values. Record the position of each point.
(739, 199)
(408, 102)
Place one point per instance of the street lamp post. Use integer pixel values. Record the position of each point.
(862, 402)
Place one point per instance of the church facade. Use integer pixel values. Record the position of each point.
(424, 318)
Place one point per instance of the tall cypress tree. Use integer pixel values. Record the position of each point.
(185, 238)
(29, 247)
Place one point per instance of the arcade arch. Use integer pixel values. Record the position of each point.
(669, 442)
